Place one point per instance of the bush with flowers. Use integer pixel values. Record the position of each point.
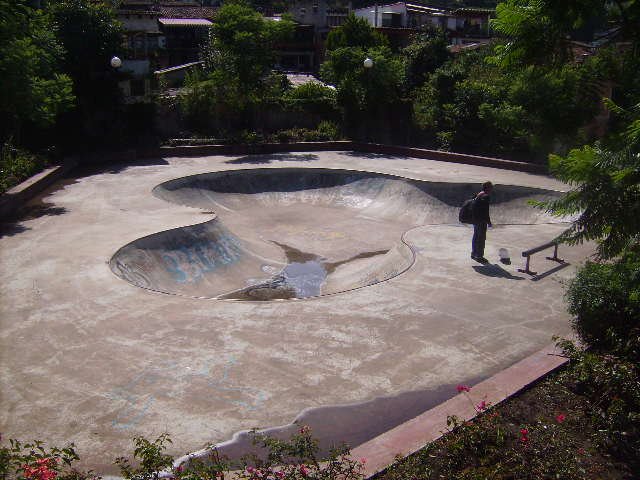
(294, 459)
(34, 461)
(547, 431)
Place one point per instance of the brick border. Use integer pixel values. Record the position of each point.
(409, 437)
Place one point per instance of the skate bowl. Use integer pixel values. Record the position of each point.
(287, 233)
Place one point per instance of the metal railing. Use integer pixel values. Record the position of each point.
(531, 251)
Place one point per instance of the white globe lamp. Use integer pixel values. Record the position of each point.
(368, 63)
(116, 62)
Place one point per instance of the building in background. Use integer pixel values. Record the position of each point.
(316, 18)
(399, 20)
(159, 35)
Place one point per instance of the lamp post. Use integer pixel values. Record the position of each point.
(368, 65)
(116, 62)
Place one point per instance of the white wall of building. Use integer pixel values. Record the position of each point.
(369, 13)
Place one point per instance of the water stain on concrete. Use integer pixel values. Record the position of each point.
(303, 276)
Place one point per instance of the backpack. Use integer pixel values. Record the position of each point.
(466, 211)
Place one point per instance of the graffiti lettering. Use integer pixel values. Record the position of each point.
(189, 263)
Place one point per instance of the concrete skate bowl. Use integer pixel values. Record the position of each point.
(285, 233)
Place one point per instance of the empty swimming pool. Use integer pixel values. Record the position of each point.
(282, 233)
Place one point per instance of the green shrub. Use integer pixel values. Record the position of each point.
(325, 131)
(17, 165)
(313, 98)
(612, 385)
(605, 301)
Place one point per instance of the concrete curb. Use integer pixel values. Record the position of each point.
(14, 198)
(449, 157)
(411, 436)
(266, 148)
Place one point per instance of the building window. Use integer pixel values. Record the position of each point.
(391, 19)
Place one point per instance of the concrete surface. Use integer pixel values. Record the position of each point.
(90, 358)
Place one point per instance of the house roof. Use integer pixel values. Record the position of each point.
(176, 11)
(474, 11)
(414, 7)
(185, 22)
(177, 68)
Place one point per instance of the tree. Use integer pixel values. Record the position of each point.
(242, 43)
(355, 32)
(237, 76)
(34, 89)
(90, 35)
(470, 105)
(606, 176)
(605, 198)
(426, 52)
(537, 31)
(367, 96)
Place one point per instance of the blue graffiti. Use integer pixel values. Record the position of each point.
(190, 263)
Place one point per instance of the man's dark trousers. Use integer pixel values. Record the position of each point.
(479, 237)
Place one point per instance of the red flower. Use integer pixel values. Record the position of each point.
(42, 471)
(524, 435)
(560, 417)
(303, 470)
(482, 406)
(463, 388)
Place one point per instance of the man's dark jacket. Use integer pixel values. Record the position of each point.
(480, 209)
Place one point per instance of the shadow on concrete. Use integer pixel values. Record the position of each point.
(555, 269)
(495, 271)
(11, 229)
(35, 209)
(274, 157)
(30, 212)
(351, 424)
(95, 167)
(354, 153)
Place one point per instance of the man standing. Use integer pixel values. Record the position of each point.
(481, 220)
